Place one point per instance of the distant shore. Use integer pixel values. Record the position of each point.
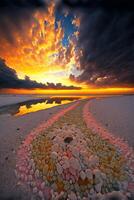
(14, 99)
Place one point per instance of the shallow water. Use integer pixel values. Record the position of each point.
(36, 105)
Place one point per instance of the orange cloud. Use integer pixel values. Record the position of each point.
(39, 48)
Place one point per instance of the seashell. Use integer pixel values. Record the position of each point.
(72, 196)
(125, 185)
(75, 152)
(98, 187)
(30, 177)
(59, 168)
(42, 185)
(82, 175)
(74, 163)
(66, 164)
(97, 173)
(35, 190)
(89, 174)
(54, 155)
(41, 194)
(37, 173)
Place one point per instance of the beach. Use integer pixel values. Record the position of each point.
(13, 130)
(115, 113)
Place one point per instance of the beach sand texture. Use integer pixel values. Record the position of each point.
(80, 138)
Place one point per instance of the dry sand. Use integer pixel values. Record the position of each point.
(117, 115)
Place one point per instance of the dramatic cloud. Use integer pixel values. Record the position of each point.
(15, 15)
(9, 79)
(34, 39)
(105, 46)
(107, 42)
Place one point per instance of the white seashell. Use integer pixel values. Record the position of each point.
(30, 177)
(97, 173)
(59, 168)
(66, 164)
(75, 152)
(72, 196)
(74, 163)
(41, 194)
(35, 190)
(37, 173)
(42, 185)
(54, 155)
(125, 185)
(89, 174)
(98, 187)
(103, 175)
(82, 175)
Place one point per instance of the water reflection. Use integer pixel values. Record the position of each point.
(35, 105)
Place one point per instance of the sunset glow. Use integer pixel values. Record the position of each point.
(39, 51)
(46, 50)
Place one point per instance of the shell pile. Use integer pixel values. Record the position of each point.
(69, 161)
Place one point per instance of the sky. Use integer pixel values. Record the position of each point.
(66, 46)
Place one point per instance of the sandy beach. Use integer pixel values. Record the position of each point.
(13, 130)
(116, 113)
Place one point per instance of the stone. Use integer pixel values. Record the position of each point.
(68, 140)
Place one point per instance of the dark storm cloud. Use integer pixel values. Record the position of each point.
(107, 40)
(15, 15)
(9, 79)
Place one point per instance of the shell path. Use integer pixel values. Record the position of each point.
(73, 157)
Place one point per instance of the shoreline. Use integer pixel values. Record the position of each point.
(7, 100)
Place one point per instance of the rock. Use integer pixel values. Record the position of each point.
(6, 158)
(68, 140)
(115, 195)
